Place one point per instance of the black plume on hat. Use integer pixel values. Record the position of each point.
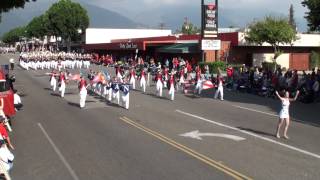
(2, 118)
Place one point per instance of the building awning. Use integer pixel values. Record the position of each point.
(180, 48)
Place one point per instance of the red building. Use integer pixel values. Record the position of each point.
(233, 49)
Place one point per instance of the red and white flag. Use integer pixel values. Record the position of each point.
(207, 85)
(75, 77)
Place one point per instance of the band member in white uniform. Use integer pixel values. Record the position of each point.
(62, 81)
(83, 92)
(159, 83)
(53, 81)
(106, 88)
(284, 113)
(199, 83)
(171, 86)
(110, 92)
(115, 91)
(133, 78)
(166, 77)
(125, 95)
(220, 87)
(118, 73)
(143, 80)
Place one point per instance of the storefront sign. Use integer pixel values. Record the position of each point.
(128, 46)
(210, 18)
(211, 45)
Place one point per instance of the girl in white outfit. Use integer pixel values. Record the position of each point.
(284, 113)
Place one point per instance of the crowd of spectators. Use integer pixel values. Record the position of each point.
(264, 82)
(6, 146)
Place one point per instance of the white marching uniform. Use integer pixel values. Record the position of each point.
(83, 93)
(62, 88)
(159, 85)
(53, 83)
(171, 88)
(133, 79)
(220, 89)
(110, 94)
(199, 86)
(116, 93)
(284, 112)
(125, 96)
(143, 82)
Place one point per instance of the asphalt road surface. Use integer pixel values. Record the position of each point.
(190, 138)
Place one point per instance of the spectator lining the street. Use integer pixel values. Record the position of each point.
(6, 157)
(17, 101)
(11, 63)
(4, 132)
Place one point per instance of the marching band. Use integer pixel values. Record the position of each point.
(115, 89)
(49, 60)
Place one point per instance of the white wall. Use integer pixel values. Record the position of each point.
(97, 36)
(282, 60)
(304, 40)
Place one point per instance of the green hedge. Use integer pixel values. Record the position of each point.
(270, 65)
(236, 66)
(213, 66)
(314, 60)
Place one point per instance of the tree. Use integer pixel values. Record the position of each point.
(14, 35)
(7, 5)
(292, 21)
(314, 60)
(275, 31)
(312, 16)
(37, 27)
(65, 18)
(188, 28)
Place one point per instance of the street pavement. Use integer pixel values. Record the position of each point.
(192, 137)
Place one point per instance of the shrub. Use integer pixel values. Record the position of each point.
(236, 66)
(214, 66)
(314, 60)
(270, 66)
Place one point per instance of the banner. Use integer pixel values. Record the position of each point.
(210, 18)
(210, 44)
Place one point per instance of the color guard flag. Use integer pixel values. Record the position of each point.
(207, 85)
(75, 77)
(97, 78)
(106, 74)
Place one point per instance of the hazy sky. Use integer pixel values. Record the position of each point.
(154, 10)
(172, 12)
(280, 6)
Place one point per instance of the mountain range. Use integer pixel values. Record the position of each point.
(172, 17)
(99, 17)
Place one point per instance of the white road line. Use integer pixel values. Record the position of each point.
(56, 149)
(251, 134)
(275, 115)
(254, 110)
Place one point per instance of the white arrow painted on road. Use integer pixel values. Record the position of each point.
(197, 135)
